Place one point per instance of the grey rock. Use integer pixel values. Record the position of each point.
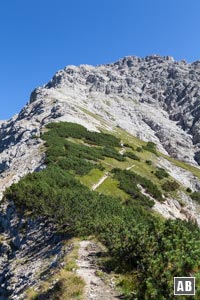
(26, 251)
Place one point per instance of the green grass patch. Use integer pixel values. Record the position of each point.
(110, 187)
(110, 163)
(196, 196)
(92, 177)
(127, 138)
(127, 284)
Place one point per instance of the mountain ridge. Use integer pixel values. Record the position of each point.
(152, 99)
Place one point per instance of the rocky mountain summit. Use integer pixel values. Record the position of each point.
(153, 98)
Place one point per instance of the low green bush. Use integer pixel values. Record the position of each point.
(139, 149)
(161, 173)
(170, 186)
(151, 147)
(188, 190)
(132, 155)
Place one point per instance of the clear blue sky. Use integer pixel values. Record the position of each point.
(39, 37)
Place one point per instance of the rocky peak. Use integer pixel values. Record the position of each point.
(146, 96)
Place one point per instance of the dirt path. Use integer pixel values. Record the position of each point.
(95, 288)
(102, 179)
(128, 168)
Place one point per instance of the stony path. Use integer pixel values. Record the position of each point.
(102, 179)
(128, 168)
(95, 288)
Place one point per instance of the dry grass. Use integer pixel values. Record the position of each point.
(70, 258)
(64, 284)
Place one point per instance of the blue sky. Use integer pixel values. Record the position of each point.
(39, 37)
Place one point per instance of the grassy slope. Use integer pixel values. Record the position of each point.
(136, 142)
(110, 185)
(145, 170)
(181, 164)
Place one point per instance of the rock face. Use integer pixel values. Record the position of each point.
(30, 250)
(154, 98)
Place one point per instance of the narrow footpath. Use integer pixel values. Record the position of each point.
(96, 288)
(101, 180)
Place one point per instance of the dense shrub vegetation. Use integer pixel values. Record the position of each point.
(151, 147)
(129, 182)
(137, 240)
(139, 149)
(78, 157)
(170, 186)
(161, 173)
(66, 130)
(132, 155)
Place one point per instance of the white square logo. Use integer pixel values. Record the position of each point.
(184, 285)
